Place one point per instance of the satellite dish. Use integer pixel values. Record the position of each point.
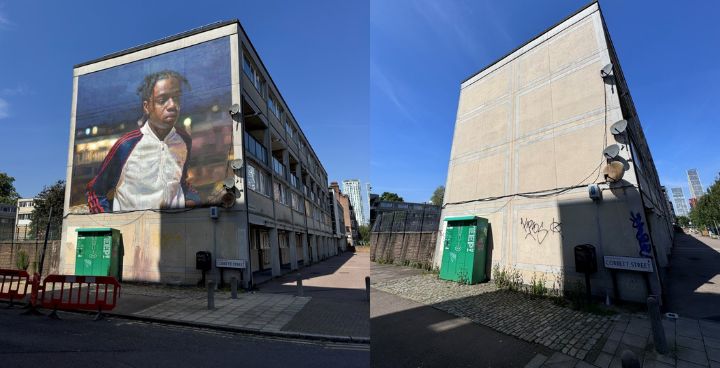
(236, 164)
(614, 171)
(619, 127)
(227, 200)
(234, 109)
(611, 151)
(229, 182)
(606, 70)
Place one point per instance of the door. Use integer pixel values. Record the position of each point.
(448, 268)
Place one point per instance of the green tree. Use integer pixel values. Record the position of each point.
(388, 196)
(683, 221)
(364, 231)
(8, 194)
(438, 195)
(51, 197)
(706, 214)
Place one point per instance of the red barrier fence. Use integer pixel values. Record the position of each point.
(97, 293)
(14, 285)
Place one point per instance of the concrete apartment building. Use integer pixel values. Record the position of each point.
(263, 195)
(349, 219)
(696, 189)
(681, 205)
(352, 189)
(25, 207)
(529, 139)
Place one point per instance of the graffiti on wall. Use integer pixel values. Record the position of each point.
(537, 230)
(642, 237)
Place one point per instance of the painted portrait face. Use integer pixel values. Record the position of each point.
(163, 107)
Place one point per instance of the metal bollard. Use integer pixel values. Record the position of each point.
(211, 294)
(657, 327)
(367, 287)
(629, 360)
(233, 287)
(300, 292)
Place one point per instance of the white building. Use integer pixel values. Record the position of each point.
(696, 189)
(25, 208)
(681, 207)
(351, 187)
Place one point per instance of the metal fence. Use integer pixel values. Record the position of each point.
(405, 238)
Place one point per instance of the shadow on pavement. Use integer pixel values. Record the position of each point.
(693, 278)
(408, 334)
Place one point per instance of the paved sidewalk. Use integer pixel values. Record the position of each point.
(693, 279)
(692, 343)
(326, 310)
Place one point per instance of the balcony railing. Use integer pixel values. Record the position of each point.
(278, 167)
(294, 181)
(256, 148)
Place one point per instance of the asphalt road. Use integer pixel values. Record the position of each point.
(78, 341)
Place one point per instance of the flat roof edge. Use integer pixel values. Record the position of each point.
(161, 41)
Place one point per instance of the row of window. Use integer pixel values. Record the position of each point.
(24, 216)
(273, 102)
(25, 204)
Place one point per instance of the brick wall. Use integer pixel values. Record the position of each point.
(9, 252)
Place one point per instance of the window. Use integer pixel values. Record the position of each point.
(274, 106)
(256, 148)
(289, 130)
(251, 71)
(257, 180)
(278, 167)
(294, 201)
(280, 193)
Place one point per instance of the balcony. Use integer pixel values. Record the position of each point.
(256, 149)
(279, 168)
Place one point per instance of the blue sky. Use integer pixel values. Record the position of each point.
(422, 50)
(316, 52)
(384, 75)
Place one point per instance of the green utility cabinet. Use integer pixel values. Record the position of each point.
(99, 252)
(465, 250)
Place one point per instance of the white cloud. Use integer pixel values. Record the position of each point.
(390, 89)
(20, 90)
(4, 108)
(4, 21)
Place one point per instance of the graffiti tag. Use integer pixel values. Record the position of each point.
(538, 231)
(642, 237)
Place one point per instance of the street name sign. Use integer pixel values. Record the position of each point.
(230, 263)
(629, 263)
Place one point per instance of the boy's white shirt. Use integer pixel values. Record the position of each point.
(152, 174)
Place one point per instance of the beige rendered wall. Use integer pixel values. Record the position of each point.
(536, 121)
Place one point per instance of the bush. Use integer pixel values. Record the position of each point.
(537, 286)
(509, 279)
(22, 261)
